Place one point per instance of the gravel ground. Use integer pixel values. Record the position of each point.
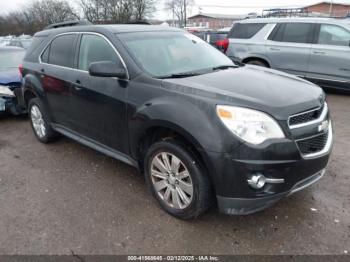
(64, 197)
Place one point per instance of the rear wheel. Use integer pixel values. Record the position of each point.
(177, 180)
(39, 122)
(257, 63)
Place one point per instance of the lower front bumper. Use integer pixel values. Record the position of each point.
(246, 206)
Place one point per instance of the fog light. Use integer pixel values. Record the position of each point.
(257, 181)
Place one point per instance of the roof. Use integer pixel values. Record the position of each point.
(116, 28)
(297, 20)
(218, 16)
(329, 2)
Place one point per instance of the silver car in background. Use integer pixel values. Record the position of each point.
(314, 48)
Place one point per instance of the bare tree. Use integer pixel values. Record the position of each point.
(117, 11)
(35, 16)
(144, 9)
(179, 9)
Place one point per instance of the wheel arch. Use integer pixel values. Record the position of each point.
(32, 88)
(256, 57)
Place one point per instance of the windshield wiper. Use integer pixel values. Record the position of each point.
(224, 67)
(179, 75)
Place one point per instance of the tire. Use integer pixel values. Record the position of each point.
(171, 198)
(257, 63)
(40, 123)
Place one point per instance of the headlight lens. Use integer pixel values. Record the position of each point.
(252, 126)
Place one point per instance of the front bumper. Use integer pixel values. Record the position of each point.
(283, 165)
(246, 206)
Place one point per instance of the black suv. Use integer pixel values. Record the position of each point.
(201, 129)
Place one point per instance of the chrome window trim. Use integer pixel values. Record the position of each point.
(83, 33)
(318, 120)
(327, 147)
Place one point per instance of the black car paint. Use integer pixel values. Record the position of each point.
(113, 115)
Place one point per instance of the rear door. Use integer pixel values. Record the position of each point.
(330, 55)
(57, 74)
(98, 104)
(288, 47)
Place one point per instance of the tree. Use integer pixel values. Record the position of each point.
(179, 9)
(35, 16)
(117, 11)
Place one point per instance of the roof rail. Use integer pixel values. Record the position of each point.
(68, 23)
(138, 23)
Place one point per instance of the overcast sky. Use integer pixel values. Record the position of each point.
(209, 6)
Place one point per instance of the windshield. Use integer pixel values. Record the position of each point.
(165, 54)
(10, 58)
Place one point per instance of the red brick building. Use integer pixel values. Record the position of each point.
(213, 21)
(332, 8)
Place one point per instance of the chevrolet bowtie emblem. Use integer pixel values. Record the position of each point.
(323, 127)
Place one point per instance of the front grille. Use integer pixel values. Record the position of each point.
(313, 145)
(305, 117)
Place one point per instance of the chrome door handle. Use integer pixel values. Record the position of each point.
(274, 49)
(319, 52)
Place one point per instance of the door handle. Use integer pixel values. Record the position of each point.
(319, 52)
(77, 85)
(274, 49)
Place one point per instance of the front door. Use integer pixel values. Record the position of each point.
(98, 103)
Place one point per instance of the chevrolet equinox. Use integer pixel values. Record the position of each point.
(202, 129)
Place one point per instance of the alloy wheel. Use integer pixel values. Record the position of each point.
(171, 180)
(38, 121)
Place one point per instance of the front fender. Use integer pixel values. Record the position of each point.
(196, 120)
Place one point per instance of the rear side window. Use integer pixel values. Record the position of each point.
(245, 31)
(293, 33)
(62, 51)
(333, 35)
(94, 48)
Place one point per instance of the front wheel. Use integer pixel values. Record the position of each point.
(177, 180)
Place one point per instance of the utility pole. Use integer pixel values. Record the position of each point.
(185, 14)
(331, 8)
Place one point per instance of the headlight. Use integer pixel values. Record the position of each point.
(252, 126)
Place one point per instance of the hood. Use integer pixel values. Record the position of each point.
(10, 76)
(271, 91)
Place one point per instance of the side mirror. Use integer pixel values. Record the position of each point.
(107, 69)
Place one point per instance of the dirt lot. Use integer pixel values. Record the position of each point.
(64, 197)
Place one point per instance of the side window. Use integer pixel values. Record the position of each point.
(62, 50)
(45, 55)
(293, 33)
(333, 35)
(94, 48)
(245, 31)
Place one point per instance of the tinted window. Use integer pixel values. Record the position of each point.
(94, 48)
(62, 50)
(245, 31)
(293, 33)
(333, 35)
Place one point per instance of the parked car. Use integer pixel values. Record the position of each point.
(314, 48)
(214, 38)
(10, 79)
(23, 43)
(200, 128)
